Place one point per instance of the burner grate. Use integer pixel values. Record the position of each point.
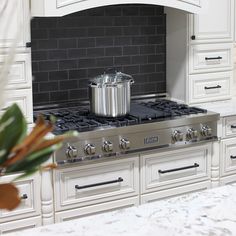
(80, 119)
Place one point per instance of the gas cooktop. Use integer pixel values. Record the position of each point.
(151, 124)
(79, 118)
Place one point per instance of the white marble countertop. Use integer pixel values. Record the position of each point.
(225, 108)
(211, 212)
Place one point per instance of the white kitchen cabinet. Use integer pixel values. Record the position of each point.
(65, 7)
(210, 87)
(173, 192)
(20, 74)
(19, 225)
(204, 58)
(214, 25)
(14, 22)
(96, 209)
(193, 65)
(228, 154)
(97, 183)
(229, 127)
(30, 204)
(23, 98)
(164, 170)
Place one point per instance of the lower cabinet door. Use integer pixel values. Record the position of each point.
(96, 209)
(19, 225)
(96, 183)
(165, 170)
(152, 197)
(210, 87)
(228, 154)
(29, 191)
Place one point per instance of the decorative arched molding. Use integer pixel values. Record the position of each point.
(65, 7)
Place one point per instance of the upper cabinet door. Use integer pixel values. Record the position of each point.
(215, 25)
(65, 7)
(14, 22)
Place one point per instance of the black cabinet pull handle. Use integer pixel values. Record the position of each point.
(213, 87)
(193, 37)
(24, 196)
(100, 184)
(28, 44)
(233, 157)
(233, 126)
(178, 169)
(213, 58)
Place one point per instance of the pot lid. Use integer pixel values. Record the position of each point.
(109, 78)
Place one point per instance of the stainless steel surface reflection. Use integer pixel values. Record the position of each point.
(110, 100)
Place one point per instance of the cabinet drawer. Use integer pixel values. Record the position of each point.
(210, 58)
(19, 225)
(174, 192)
(30, 204)
(230, 126)
(167, 169)
(23, 98)
(96, 209)
(19, 75)
(210, 87)
(228, 157)
(96, 183)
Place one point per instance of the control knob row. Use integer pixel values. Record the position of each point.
(192, 134)
(90, 149)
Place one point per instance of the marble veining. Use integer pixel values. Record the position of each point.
(225, 108)
(211, 213)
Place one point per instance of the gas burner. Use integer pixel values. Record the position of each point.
(79, 118)
(173, 109)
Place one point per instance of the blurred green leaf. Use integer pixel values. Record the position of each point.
(33, 160)
(26, 174)
(13, 129)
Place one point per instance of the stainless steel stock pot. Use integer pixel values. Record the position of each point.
(110, 94)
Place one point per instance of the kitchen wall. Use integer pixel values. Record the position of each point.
(67, 51)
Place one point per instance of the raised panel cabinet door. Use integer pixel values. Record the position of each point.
(214, 25)
(101, 182)
(30, 194)
(210, 87)
(165, 170)
(14, 22)
(19, 74)
(23, 98)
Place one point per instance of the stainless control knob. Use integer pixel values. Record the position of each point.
(177, 136)
(107, 146)
(192, 134)
(89, 149)
(124, 144)
(71, 152)
(206, 131)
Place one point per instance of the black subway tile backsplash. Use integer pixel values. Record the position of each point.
(67, 51)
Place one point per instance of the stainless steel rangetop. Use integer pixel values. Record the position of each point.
(150, 125)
